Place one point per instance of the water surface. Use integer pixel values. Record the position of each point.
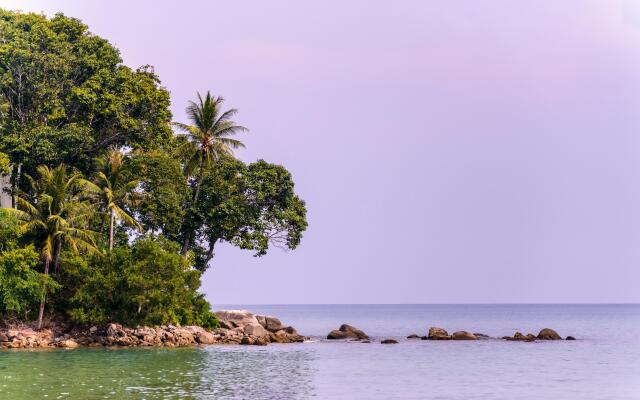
(603, 364)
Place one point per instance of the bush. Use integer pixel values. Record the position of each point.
(148, 283)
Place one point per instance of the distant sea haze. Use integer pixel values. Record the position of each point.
(603, 363)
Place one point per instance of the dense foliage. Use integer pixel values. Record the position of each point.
(116, 215)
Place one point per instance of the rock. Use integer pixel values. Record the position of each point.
(389, 341)
(570, 338)
(244, 320)
(273, 324)
(69, 344)
(261, 341)
(463, 335)
(246, 340)
(4, 337)
(519, 337)
(262, 321)
(112, 330)
(548, 334)
(93, 329)
(413, 336)
(366, 341)
(481, 335)
(205, 338)
(347, 332)
(424, 337)
(436, 333)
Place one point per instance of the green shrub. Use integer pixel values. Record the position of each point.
(148, 283)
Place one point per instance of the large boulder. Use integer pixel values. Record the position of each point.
(463, 335)
(436, 333)
(244, 320)
(205, 337)
(548, 334)
(347, 332)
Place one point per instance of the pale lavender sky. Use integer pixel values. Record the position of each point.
(448, 151)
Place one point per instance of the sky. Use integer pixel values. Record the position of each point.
(449, 151)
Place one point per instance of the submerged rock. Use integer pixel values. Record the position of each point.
(463, 335)
(347, 332)
(389, 341)
(570, 338)
(413, 336)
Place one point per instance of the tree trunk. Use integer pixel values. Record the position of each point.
(44, 295)
(196, 194)
(210, 254)
(56, 255)
(112, 218)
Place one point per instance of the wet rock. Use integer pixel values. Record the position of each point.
(481, 336)
(436, 333)
(347, 332)
(548, 334)
(413, 336)
(389, 341)
(570, 338)
(463, 335)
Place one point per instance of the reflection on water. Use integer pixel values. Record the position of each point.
(273, 372)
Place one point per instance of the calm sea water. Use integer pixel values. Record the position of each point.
(604, 363)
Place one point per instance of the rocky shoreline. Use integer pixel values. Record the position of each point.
(236, 327)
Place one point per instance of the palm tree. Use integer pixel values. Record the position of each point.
(115, 192)
(57, 213)
(208, 137)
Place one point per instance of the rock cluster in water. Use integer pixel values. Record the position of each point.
(237, 327)
(349, 332)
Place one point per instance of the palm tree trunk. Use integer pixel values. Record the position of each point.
(56, 255)
(44, 295)
(112, 218)
(196, 194)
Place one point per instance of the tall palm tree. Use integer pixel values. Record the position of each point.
(208, 137)
(115, 191)
(56, 214)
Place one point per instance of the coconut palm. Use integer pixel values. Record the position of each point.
(209, 136)
(115, 192)
(56, 214)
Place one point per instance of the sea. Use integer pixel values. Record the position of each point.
(603, 363)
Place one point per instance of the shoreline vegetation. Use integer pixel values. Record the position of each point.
(111, 210)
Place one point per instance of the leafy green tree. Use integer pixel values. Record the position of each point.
(20, 284)
(250, 206)
(148, 283)
(56, 214)
(115, 191)
(160, 207)
(65, 95)
(4, 163)
(209, 136)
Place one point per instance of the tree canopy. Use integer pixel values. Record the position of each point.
(116, 214)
